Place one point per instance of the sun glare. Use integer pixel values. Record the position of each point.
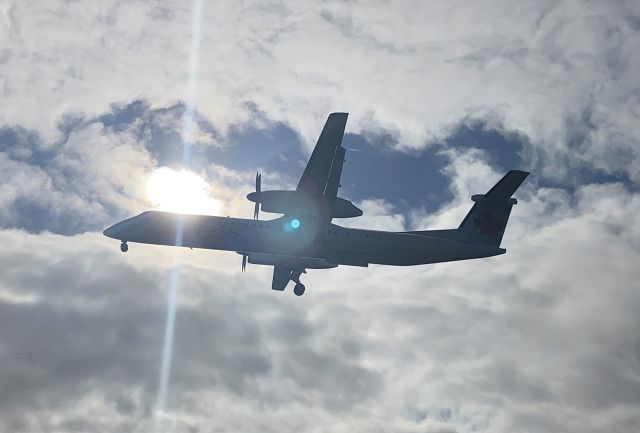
(180, 191)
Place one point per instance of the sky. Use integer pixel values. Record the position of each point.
(444, 97)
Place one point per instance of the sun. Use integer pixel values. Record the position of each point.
(181, 191)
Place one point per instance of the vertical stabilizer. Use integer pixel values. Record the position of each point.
(486, 221)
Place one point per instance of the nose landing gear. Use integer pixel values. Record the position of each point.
(124, 247)
(299, 288)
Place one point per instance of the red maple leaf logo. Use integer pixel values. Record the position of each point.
(489, 224)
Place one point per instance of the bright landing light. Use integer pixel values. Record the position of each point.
(180, 191)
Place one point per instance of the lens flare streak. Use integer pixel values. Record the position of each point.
(174, 281)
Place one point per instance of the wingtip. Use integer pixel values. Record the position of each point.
(520, 172)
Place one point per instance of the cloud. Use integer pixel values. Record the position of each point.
(88, 335)
(378, 215)
(73, 185)
(525, 341)
(560, 74)
(540, 339)
(98, 170)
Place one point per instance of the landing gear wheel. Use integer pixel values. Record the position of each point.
(299, 289)
(124, 247)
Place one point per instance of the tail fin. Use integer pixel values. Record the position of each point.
(486, 221)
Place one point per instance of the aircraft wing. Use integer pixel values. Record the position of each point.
(322, 173)
(333, 183)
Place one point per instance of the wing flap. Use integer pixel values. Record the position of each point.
(331, 191)
(281, 277)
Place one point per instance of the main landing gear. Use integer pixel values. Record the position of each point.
(298, 290)
(124, 247)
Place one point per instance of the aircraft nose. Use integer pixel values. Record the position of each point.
(122, 229)
(111, 232)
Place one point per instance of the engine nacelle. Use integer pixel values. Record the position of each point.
(295, 202)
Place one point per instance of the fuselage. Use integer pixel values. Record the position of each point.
(305, 238)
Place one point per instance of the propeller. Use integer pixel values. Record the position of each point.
(256, 212)
(256, 208)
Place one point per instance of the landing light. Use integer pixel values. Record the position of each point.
(295, 223)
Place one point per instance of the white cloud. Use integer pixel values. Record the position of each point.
(101, 170)
(540, 339)
(560, 73)
(73, 184)
(377, 215)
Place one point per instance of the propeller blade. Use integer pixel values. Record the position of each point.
(256, 208)
(244, 262)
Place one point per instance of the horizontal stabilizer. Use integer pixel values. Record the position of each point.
(504, 189)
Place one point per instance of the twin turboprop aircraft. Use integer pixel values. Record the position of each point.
(305, 237)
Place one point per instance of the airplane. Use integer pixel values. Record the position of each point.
(305, 237)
